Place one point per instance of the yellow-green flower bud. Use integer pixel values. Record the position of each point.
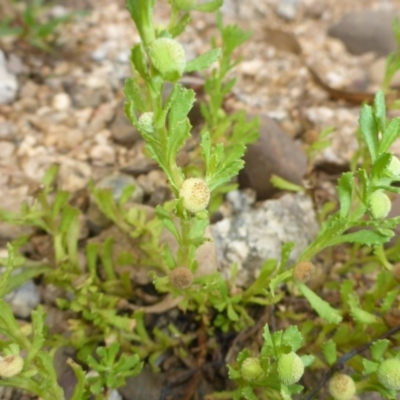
(303, 271)
(379, 205)
(195, 194)
(181, 278)
(146, 122)
(11, 365)
(251, 369)
(342, 387)
(290, 368)
(168, 57)
(389, 374)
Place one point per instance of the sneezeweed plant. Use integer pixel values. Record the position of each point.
(277, 369)
(100, 294)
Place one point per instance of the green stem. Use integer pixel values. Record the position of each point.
(146, 28)
(183, 258)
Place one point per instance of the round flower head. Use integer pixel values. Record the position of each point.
(168, 57)
(389, 374)
(290, 368)
(251, 369)
(181, 278)
(195, 194)
(10, 366)
(342, 387)
(379, 205)
(303, 271)
(146, 122)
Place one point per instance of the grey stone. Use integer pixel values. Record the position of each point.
(118, 182)
(8, 82)
(114, 395)
(8, 130)
(376, 73)
(366, 30)
(145, 386)
(24, 299)
(273, 153)
(287, 9)
(122, 131)
(256, 233)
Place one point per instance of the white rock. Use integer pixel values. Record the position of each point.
(8, 82)
(287, 9)
(102, 154)
(257, 234)
(61, 102)
(114, 395)
(24, 299)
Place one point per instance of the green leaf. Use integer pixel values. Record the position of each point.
(134, 96)
(203, 61)
(248, 393)
(278, 279)
(381, 164)
(378, 348)
(292, 338)
(210, 6)
(138, 57)
(366, 237)
(380, 110)
(392, 66)
(142, 14)
(329, 350)
(38, 317)
(307, 360)
(360, 315)
(390, 134)
(206, 148)
(345, 189)
(178, 122)
(6, 30)
(388, 301)
(180, 26)
(168, 222)
(268, 343)
(286, 250)
(369, 129)
(283, 184)
(222, 167)
(369, 367)
(50, 176)
(23, 275)
(323, 309)
(79, 389)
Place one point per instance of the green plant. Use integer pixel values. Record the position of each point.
(28, 23)
(351, 310)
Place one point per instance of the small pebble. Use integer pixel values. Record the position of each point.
(8, 82)
(6, 149)
(102, 154)
(287, 9)
(61, 102)
(24, 299)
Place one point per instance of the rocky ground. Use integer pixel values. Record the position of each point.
(308, 66)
